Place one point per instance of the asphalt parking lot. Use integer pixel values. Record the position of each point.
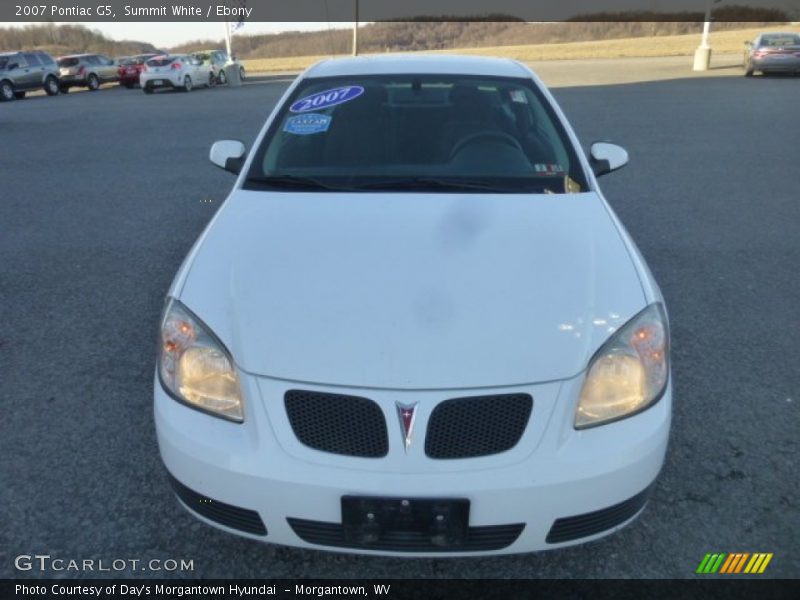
(102, 195)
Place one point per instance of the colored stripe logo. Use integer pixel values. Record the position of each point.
(736, 562)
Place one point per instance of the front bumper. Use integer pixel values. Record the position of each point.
(557, 487)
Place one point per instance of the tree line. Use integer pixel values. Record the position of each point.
(385, 36)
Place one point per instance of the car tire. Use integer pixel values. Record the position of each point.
(19, 95)
(241, 73)
(147, 89)
(187, 84)
(93, 83)
(6, 91)
(748, 70)
(212, 81)
(63, 89)
(130, 86)
(51, 86)
(222, 79)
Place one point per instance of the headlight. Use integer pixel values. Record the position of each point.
(195, 367)
(629, 372)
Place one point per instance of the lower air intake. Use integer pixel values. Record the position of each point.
(225, 514)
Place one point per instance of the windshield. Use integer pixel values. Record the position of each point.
(777, 41)
(417, 132)
(161, 61)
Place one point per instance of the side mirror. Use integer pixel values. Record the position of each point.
(228, 155)
(606, 157)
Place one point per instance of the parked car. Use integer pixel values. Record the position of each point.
(86, 70)
(415, 326)
(21, 72)
(218, 61)
(130, 67)
(772, 53)
(179, 71)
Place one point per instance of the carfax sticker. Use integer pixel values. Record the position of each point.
(548, 169)
(327, 98)
(307, 124)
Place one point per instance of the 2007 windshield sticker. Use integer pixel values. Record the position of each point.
(307, 124)
(327, 98)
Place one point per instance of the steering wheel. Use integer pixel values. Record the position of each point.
(500, 136)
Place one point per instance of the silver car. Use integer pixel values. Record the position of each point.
(180, 71)
(86, 70)
(772, 53)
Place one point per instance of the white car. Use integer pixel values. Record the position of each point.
(415, 327)
(180, 71)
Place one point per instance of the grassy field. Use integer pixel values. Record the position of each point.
(726, 42)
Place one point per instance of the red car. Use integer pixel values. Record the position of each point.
(130, 67)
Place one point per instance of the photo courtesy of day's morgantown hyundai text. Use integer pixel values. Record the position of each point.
(415, 326)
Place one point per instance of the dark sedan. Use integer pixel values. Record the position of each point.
(130, 67)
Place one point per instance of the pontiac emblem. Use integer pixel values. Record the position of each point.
(407, 415)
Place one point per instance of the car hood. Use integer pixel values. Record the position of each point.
(412, 291)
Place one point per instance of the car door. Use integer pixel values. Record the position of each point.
(108, 68)
(198, 69)
(35, 73)
(21, 73)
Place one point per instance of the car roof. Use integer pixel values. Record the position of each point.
(418, 63)
(13, 52)
(84, 55)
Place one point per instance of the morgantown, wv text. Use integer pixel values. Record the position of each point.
(198, 591)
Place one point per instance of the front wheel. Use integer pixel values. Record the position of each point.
(147, 89)
(241, 73)
(93, 83)
(51, 86)
(6, 91)
(187, 84)
(222, 78)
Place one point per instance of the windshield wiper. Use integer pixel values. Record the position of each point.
(294, 182)
(435, 183)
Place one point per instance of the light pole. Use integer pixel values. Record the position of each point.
(355, 33)
(702, 56)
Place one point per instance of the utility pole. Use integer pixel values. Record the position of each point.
(702, 56)
(355, 33)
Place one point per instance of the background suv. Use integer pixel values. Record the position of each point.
(86, 70)
(24, 71)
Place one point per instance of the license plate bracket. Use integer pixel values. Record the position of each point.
(369, 519)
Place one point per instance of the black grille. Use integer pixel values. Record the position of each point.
(493, 537)
(224, 514)
(479, 426)
(339, 424)
(579, 526)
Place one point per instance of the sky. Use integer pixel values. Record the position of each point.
(172, 34)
